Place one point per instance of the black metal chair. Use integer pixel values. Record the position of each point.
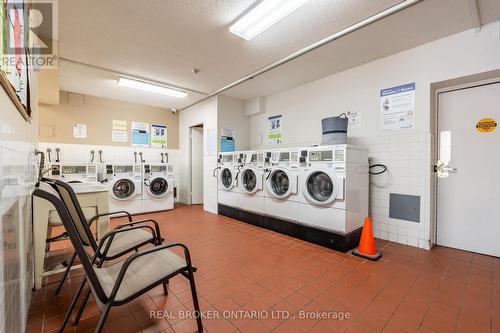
(123, 243)
(126, 280)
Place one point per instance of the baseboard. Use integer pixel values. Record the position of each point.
(228, 211)
(334, 241)
(251, 218)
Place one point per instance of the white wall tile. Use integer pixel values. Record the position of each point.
(71, 153)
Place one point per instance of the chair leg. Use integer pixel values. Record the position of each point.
(195, 300)
(81, 308)
(102, 320)
(72, 306)
(165, 289)
(68, 268)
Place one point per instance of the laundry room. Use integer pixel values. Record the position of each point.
(249, 166)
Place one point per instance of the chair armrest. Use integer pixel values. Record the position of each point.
(156, 226)
(95, 217)
(111, 236)
(144, 252)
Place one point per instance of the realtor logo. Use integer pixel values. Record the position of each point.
(29, 33)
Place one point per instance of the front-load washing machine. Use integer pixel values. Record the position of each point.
(124, 181)
(227, 183)
(157, 187)
(251, 183)
(334, 188)
(281, 184)
(77, 172)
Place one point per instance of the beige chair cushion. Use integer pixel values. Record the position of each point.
(126, 240)
(141, 273)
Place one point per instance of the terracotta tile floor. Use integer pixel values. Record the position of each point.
(244, 268)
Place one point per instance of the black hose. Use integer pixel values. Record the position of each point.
(238, 173)
(41, 166)
(214, 172)
(384, 169)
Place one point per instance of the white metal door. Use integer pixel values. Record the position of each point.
(468, 197)
(196, 165)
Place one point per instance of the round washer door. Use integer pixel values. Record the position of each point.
(226, 178)
(158, 187)
(321, 187)
(250, 180)
(279, 183)
(123, 189)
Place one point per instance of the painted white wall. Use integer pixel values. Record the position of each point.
(203, 113)
(231, 114)
(358, 88)
(408, 154)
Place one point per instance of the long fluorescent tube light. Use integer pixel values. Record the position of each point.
(126, 82)
(264, 15)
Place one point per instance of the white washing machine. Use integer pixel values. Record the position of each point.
(227, 180)
(77, 172)
(240, 158)
(157, 187)
(334, 188)
(281, 184)
(124, 181)
(251, 183)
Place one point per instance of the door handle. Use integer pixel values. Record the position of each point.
(443, 170)
(449, 170)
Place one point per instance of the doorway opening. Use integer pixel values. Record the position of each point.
(196, 165)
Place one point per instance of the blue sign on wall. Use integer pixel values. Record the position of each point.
(227, 144)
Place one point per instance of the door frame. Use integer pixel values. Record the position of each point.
(190, 177)
(467, 82)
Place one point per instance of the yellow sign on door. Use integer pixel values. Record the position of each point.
(486, 125)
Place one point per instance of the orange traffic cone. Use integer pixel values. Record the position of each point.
(366, 248)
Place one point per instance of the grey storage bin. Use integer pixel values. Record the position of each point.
(334, 130)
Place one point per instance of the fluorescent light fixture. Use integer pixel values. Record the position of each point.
(264, 15)
(154, 88)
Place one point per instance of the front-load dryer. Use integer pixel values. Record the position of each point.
(251, 183)
(124, 181)
(157, 187)
(74, 172)
(227, 180)
(281, 184)
(334, 188)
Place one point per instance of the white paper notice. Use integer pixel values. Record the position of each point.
(158, 136)
(397, 107)
(119, 136)
(228, 132)
(211, 142)
(354, 119)
(119, 125)
(80, 131)
(274, 135)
